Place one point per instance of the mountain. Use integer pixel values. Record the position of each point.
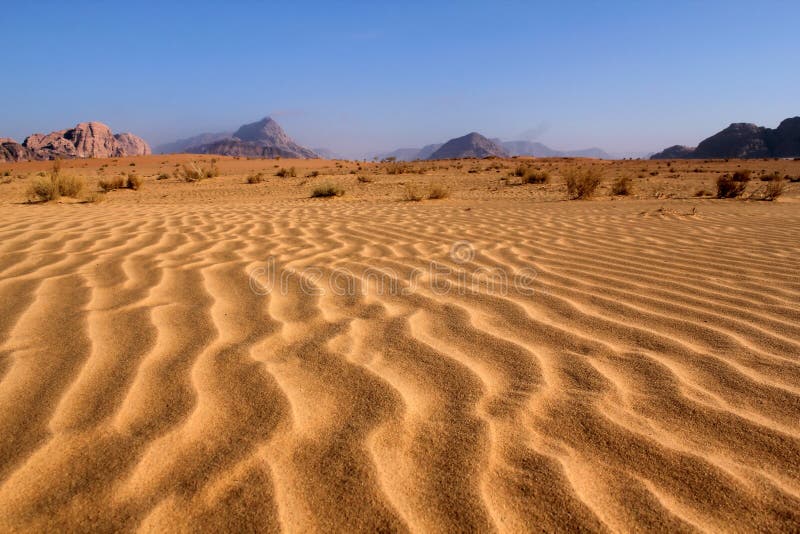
(176, 147)
(427, 151)
(326, 153)
(472, 145)
(261, 139)
(86, 140)
(411, 154)
(531, 148)
(743, 140)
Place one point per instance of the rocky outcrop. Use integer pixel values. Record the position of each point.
(743, 140)
(262, 139)
(86, 140)
(132, 145)
(675, 152)
(10, 150)
(472, 145)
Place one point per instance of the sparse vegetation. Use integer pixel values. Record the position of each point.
(134, 182)
(364, 179)
(111, 184)
(255, 178)
(411, 193)
(194, 172)
(732, 186)
(773, 189)
(43, 190)
(532, 176)
(582, 183)
(162, 176)
(312, 174)
(291, 172)
(327, 190)
(437, 191)
(621, 186)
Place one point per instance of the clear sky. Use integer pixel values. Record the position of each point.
(357, 77)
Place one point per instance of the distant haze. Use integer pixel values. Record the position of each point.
(359, 79)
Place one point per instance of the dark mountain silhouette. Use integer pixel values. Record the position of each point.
(472, 145)
(743, 140)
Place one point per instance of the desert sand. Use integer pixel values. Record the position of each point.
(644, 377)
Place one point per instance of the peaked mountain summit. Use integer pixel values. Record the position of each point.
(472, 145)
(261, 139)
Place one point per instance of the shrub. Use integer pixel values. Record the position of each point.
(437, 191)
(255, 178)
(327, 190)
(412, 193)
(312, 174)
(291, 172)
(162, 176)
(396, 167)
(43, 190)
(732, 186)
(111, 184)
(194, 172)
(621, 186)
(793, 179)
(94, 197)
(364, 179)
(774, 189)
(133, 182)
(581, 184)
(69, 186)
(702, 193)
(532, 176)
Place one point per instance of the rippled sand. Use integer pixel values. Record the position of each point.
(647, 378)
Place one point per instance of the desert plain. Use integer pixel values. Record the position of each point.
(232, 354)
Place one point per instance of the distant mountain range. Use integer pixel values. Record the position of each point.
(260, 139)
(509, 148)
(743, 140)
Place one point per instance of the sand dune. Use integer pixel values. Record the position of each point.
(649, 381)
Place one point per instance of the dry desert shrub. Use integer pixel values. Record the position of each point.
(397, 167)
(582, 183)
(532, 176)
(134, 182)
(364, 179)
(194, 172)
(94, 197)
(327, 190)
(773, 189)
(732, 186)
(411, 193)
(255, 178)
(291, 172)
(621, 186)
(437, 191)
(43, 190)
(118, 182)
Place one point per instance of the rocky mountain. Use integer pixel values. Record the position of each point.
(261, 139)
(179, 146)
(532, 148)
(472, 145)
(743, 140)
(86, 140)
(326, 153)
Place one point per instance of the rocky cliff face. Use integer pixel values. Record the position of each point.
(132, 145)
(262, 139)
(10, 150)
(472, 145)
(742, 140)
(86, 140)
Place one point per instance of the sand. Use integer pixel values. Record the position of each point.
(642, 372)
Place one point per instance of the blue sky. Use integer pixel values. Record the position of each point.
(359, 77)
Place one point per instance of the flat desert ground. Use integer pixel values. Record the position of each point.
(638, 369)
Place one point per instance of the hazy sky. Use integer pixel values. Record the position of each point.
(357, 77)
